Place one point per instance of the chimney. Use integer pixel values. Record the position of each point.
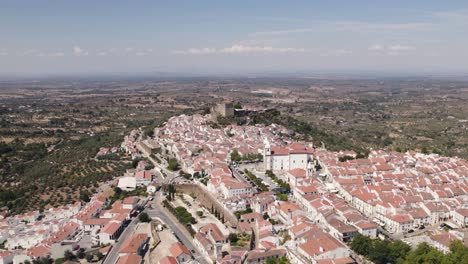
(321, 249)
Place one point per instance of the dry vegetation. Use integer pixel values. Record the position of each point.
(50, 130)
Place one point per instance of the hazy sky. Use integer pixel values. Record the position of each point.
(233, 36)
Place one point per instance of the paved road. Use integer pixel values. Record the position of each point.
(178, 230)
(113, 254)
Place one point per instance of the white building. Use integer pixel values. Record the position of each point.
(398, 223)
(27, 240)
(235, 188)
(323, 246)
(460, 217)
(109, 233)
(294, 156)
(143, 178)
(127, 183)
(442, 241)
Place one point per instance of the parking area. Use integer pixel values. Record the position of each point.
(254, 168)
(416, 240)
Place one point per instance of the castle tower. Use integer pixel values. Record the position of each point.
(223, 109)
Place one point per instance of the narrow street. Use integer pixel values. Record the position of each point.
(179, 231)
(113, 254)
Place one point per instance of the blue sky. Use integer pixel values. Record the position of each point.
(198, 36)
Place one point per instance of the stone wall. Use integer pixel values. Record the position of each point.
(207, 200)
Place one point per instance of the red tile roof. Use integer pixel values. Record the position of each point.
(178, 249)
(129, 259)
(132, 244)
(168, 260)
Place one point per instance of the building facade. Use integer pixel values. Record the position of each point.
(294, 156)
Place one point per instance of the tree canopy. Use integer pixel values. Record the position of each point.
(172, 164)
(384, 251)
(144, 218)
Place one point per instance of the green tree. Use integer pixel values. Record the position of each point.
(282, 196)
(237, 105)
(233, 238)
(135, 162)
(282, 260)
(144, 217)
(68, 255)
(422, 254)
(80, 254)
(149, 132)
(117, 191)
(458, 253)
(89, 257)
(84, 196)
(424, 150)
(172, 164)
(379, 252)
(235, 156)
(361, 245)
(398, 251)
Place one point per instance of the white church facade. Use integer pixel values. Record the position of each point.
(293, 156)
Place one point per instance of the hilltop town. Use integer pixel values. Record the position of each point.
(234, 132)
(204, 193)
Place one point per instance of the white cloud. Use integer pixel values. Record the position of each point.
(342, 52)
(196, 51)
(392, 50)
(253, 49)
(237, 49)
(107, 52)
(375, 48)
(400, 48)
(52, 54)
(139, 54)
(3, 53)
(77, 51)
(336, 53)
